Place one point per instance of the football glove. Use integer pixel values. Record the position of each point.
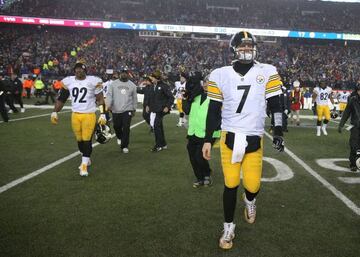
(54, 118)
(102, 119)
(278, 143)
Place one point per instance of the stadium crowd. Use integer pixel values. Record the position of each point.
(273, 14)
(53, 51)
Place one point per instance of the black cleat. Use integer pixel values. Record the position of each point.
(198, 184)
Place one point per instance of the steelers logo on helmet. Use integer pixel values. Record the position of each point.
(102, 133)
(243, 46)
(334, 114)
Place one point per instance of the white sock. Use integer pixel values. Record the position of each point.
(85, 160)
(228, 224)
(318, 129)
(324, 126)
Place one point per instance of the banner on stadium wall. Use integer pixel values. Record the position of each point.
(175, 28)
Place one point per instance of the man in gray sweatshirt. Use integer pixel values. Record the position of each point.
(121, 100)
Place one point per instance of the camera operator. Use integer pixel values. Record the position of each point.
(17, 90)
(195, 103)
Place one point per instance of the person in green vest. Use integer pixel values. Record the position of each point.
(39, 86)
(195, 104)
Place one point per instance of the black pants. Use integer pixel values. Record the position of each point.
(354, 143)
(159, 130)
(200, 166)
(9, 98)
(18, 99)
(3, 111)
(28, 92)
(122, 123)
(51, 96)
(146, 115)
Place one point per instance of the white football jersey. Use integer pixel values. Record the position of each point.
(244, 97)
(83, 93)
(179, 87)
(343, 97)
(105, 86)
(322, 95)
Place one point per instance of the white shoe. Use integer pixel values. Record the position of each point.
(10, 111)
(324, 131)
(22, 110)
(83, 170)
(228, 235)
(179, 124)
(118, 141)
(125, 150)
(250, 210)
(318, 133)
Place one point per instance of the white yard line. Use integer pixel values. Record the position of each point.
(323, 181)
(33, 117)
(48, 167)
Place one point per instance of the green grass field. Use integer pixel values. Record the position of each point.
(143, 203)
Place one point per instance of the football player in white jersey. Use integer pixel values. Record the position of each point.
(85, 92)
(239, 95)
(321, 96)
(343, 99)
(179, 89)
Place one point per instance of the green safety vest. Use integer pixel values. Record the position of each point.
(197, 118)
(39, 84)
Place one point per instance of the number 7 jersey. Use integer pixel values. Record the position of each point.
(244, 97)
(83, 93)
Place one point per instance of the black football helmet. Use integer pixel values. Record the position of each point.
(102, 133)
(243, 46)
(334, 114)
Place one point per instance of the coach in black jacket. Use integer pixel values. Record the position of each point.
(3, 111)
(145, 89)
(353, 109)
(158, 105)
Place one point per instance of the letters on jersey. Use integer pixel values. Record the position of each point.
(322, 95)
(244, 97)
(82, 93)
